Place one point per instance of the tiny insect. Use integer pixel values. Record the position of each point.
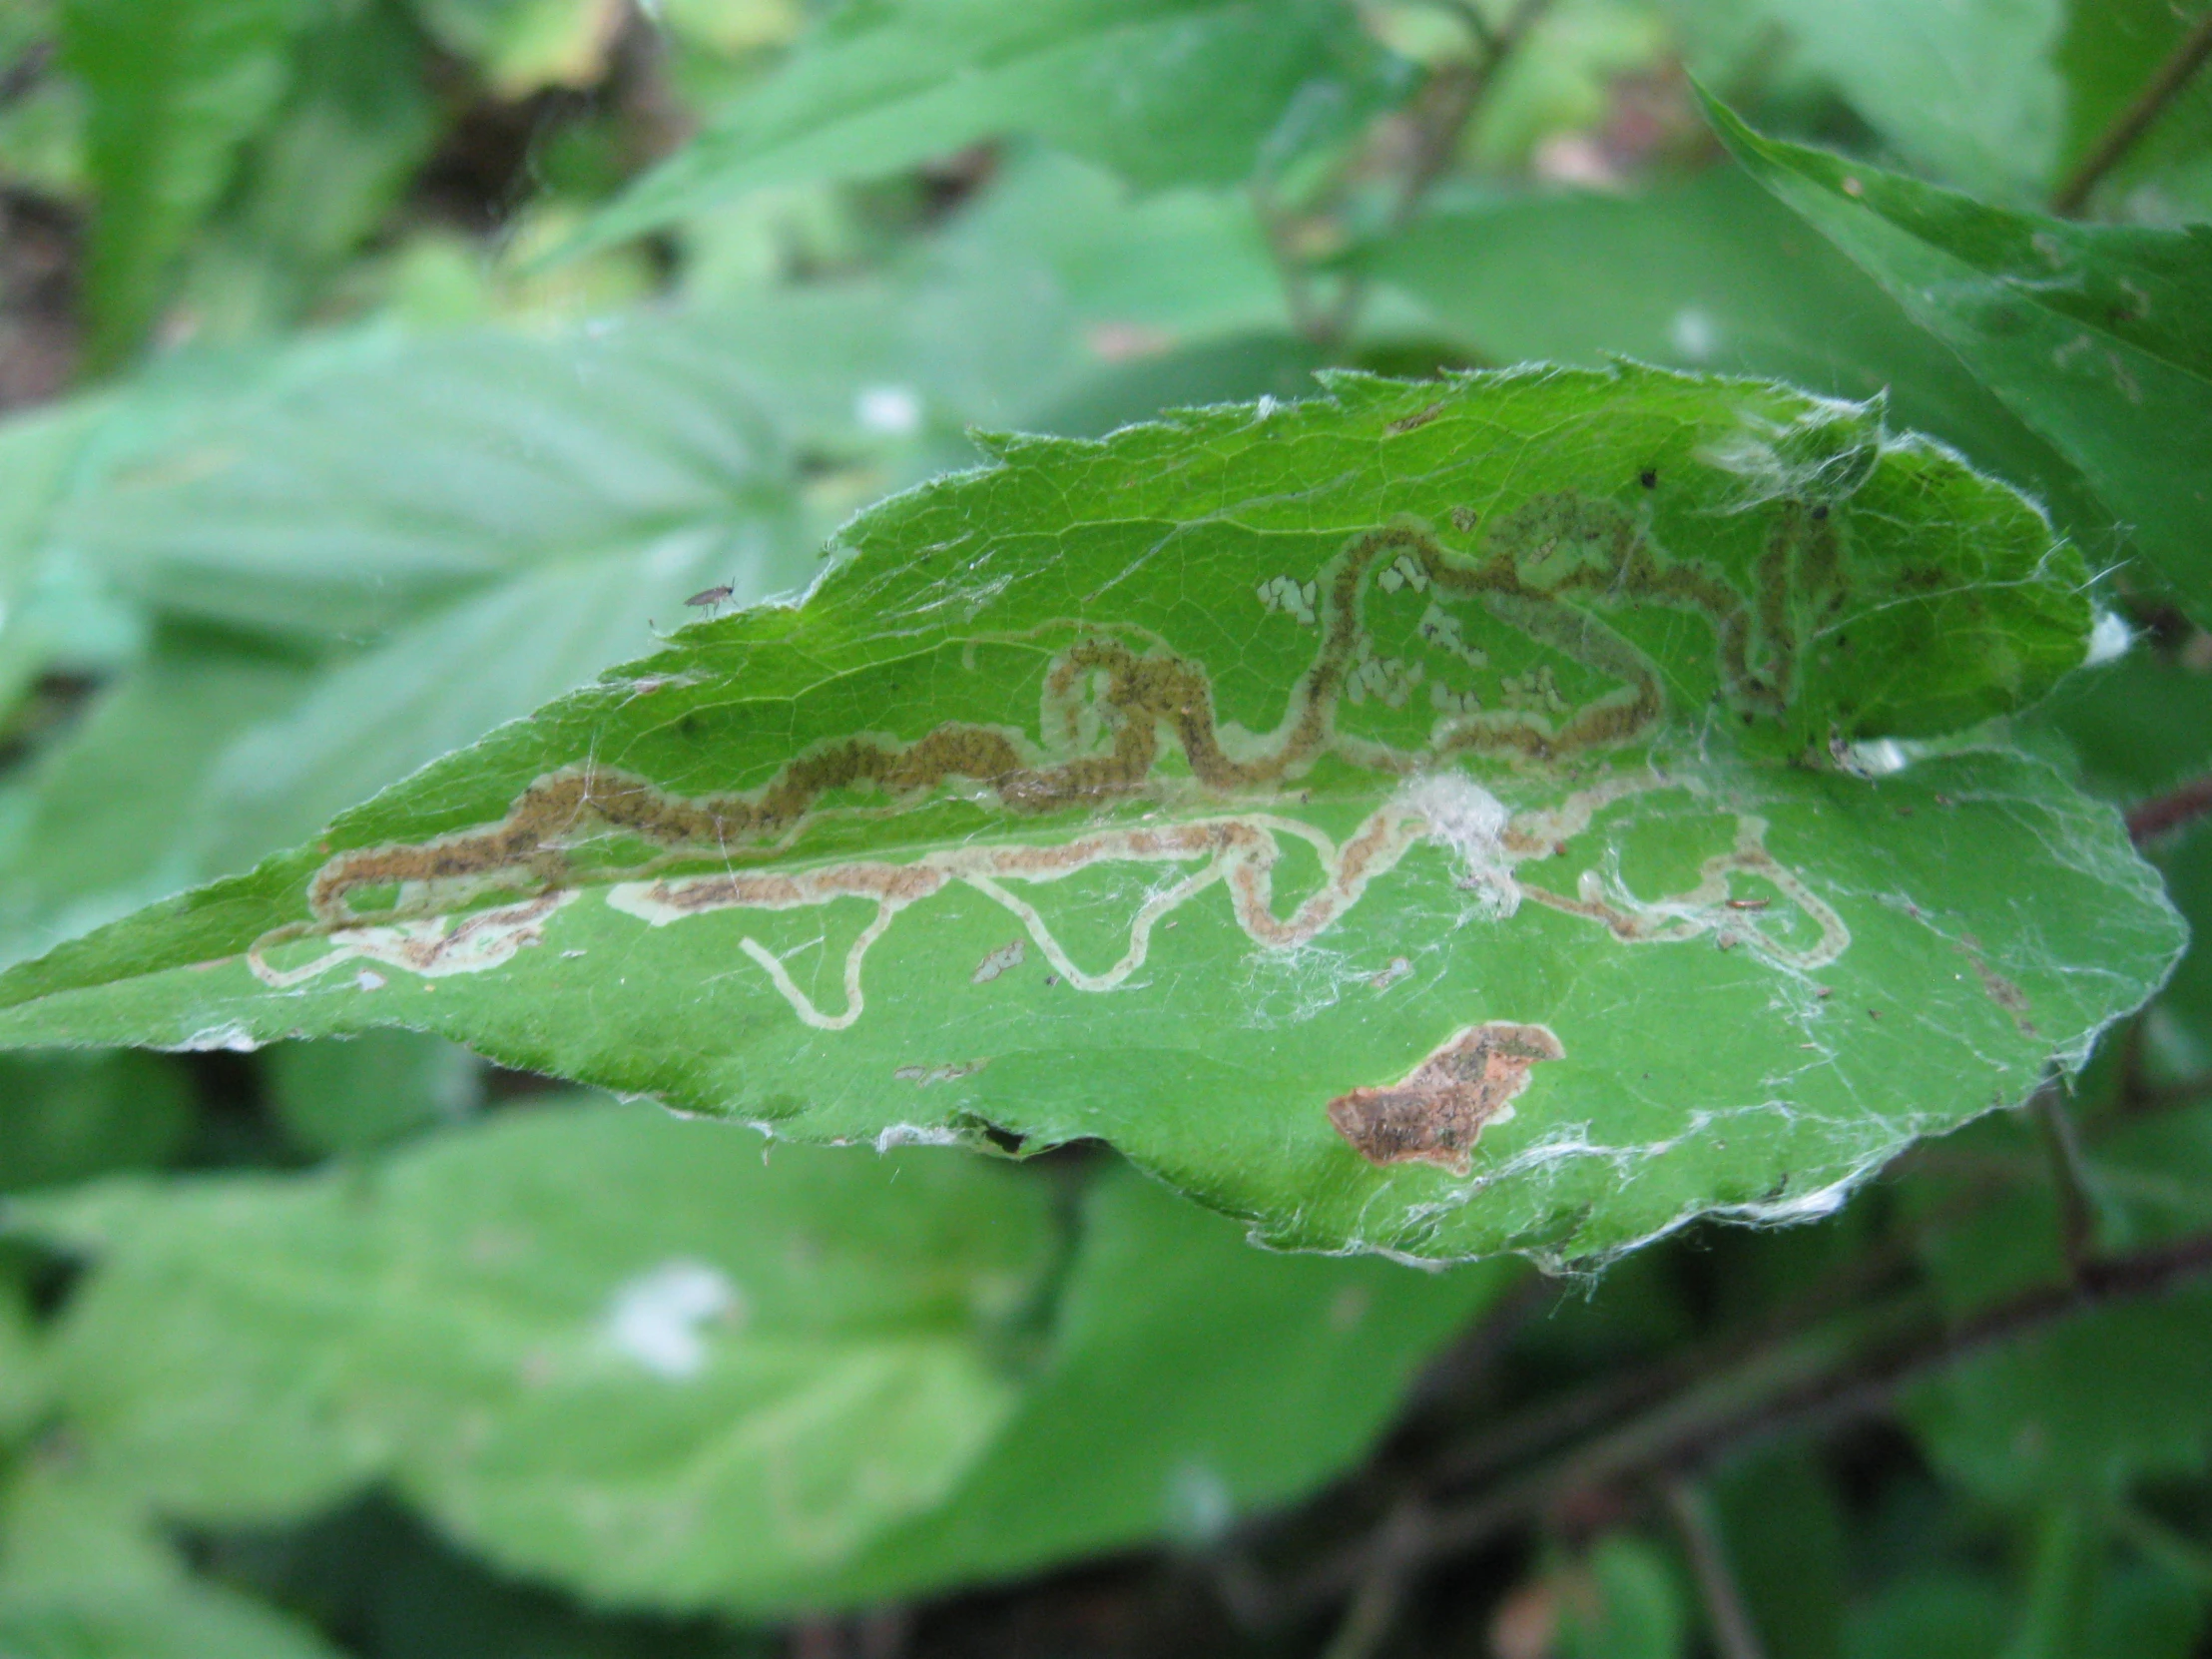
(709, 598)
(1749, 903)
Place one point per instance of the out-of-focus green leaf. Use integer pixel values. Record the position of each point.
(2143, 1612)
(357, 122)
(1931, 1615)
(23, 1393)
(2096, 337)
(2085, 1406)
(368, 484)
(2138, 724)
(42, 117)
(1622, 1602)
(523, 46)
(1966, 89)
(1164, 91)
(1727, 281)
(1560, 77)
(175, 90)
(83, 1575)
(65, 1116)
(441, 683)
(1043, 307)
(562, 497)
(1071, 723)
(1788, 1550)
(381, 1087)
(623, 1352)
(100, 836)
(1190, 1379)
(597, 1343)
(40, 454)
(2110, 51)
(377, 1572)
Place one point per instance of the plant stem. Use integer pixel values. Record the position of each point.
(1446, 103)
(1382, 1592)
(2169, 812)
(1816, 1381)
(1733, 1632)
(2132, 123)
(2152, 1538)
(2070, 1173)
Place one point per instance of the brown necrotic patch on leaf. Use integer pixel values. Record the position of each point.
(1436, 1114)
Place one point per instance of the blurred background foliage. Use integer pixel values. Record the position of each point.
(376, 369)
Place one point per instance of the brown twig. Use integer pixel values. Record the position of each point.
(2070, 1176)
(1821, 1380)
(2166, 813)
(2132, 123)
(1445, 106)
(1734, 1634)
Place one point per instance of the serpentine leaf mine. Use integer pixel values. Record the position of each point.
(1422, 819)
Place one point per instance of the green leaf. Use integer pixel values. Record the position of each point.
(444, 680)
(2139, 726)
(23, 1392)
(1966, 89)
(2082, 1407)
(1789, 1549)
(1046, 302)
(99, 836)
(382, 1086)
(84, 1575)
(2094, 336)
(2110, 51)
(1191, 1379)
(1727, 281)
(1163, 91)
(1535, 755)
(629, 1354)
(1624, 1602)
(358, 122)
(355, 483)
(174, 91)
(600, 1342)
(524, 46)
(65, 1116)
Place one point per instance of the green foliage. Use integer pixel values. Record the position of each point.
(593, 1343)
(1493, 811)
(1164, 91)
(2093, 336)
(1778, 553)
(174, 91)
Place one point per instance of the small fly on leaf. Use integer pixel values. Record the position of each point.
(709, 598)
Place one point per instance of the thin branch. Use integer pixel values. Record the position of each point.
(1447, 103)
(2152, 1538)
(1734, 1634)
(1819, 1381)
(2070, 1173)
(2132, 123)
(2166, 813)
(1454, 96)
(1382, 1593)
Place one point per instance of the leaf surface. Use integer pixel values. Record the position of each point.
(173, 90)
(623, 1352)
(1966, 89)
(2094, 336)
(1728, 281)
(1163, 91)
(1291, 796)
